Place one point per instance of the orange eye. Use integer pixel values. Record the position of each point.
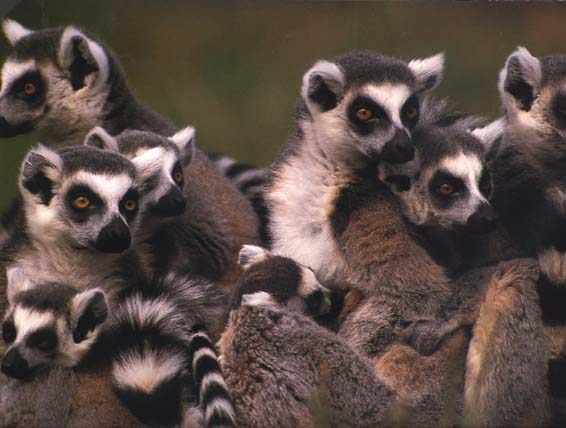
(364, 114)
(411, 113)
(446, 189)
(130, 205)
(30, 88)
(178, 176)
(81, 202)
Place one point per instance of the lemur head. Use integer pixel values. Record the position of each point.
(50, 325)
(533, 93)
(363, 104)
(80, 197)
(160, 162)
(54, 82)
(451, 186)
(276, 280)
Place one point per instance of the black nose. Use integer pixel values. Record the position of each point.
(14, 365)
(483, 220)
(114, 237)
(171, 204)
(7, 130)
(399, 149)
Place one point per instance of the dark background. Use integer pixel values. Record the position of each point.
(233, 69)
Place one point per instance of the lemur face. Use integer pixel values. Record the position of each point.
(81, 196)
(54, 82)
(533, 93)
(364, 104)
(270, 279)
(451, 186)
(50, 325)
(160, 163)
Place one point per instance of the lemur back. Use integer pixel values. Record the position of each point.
(61, 82)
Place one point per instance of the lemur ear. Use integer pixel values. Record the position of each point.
(252, 254)
(185, 140)
(99, 138)
(428, 72)
(40, 173)
(84, 59)
(520, 79)
(323, 86)
(89, 309)
(14, 31)
(17, 281)
(489, 134)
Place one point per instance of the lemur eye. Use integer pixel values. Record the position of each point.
(81, 202)
(30, 88)
(364, 114)
(178, 177)
(8, 332)
(411, 113)
(446, 189)
(130, 205)
(44, 340)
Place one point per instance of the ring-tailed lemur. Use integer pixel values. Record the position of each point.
(179, 229)
(50, 325)
(61, 82)
(450, 193)
(530, 185)
(283, 369)
(352, 109)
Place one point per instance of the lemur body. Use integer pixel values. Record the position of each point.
(61, 82)
(530, 186)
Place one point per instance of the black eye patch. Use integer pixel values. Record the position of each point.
(410, 112)
(485, 185)
(45, 340)
(95, 205)
(130, 199)
(177, 175)
(379, 116)
(29, 87)
(559, 110)
(8, 331)
(444, 178)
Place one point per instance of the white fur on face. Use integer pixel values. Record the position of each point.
(29, 320)
(390, 97)
(13, 70)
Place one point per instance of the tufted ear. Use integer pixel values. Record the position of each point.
(148, 166)
(89, 309)
(185, 141)
(428, 72)
(40, 173)
(85, 61)
(489, 134)
(323, 86)
(519, 80)
(99, 138)
(252, 254)
(14, 31)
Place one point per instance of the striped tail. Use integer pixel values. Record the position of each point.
(251, 182)
(213, 395)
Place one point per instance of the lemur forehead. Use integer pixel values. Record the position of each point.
(12, 70)
(553, 69)
(435, 144)
(46, 297)
(463, 165)
(365, 66)
(95, 161)
(108, 187)
(388, 95)
(40, 45)
(134, 143)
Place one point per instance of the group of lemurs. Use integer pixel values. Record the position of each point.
(400, 264)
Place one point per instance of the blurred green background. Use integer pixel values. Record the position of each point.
(233, 69)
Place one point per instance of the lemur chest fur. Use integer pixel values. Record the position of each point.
(303, 196)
